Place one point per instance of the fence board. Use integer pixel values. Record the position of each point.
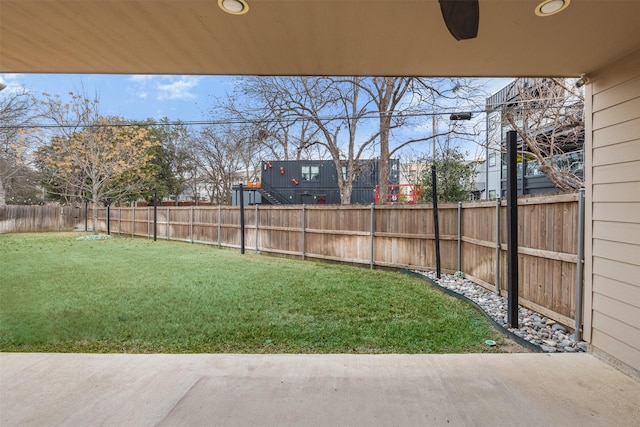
(35, 219)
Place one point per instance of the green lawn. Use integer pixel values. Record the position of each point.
(135, 295)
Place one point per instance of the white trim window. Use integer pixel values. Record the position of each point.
(310, 173)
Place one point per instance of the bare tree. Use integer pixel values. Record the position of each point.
(548, 116)
(282, 134)
(16, 113)
(399, 101)
(332, 115)
(223, 156)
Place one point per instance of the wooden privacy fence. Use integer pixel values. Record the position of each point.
(394, 236)
(33, 219)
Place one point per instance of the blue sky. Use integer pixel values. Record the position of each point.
(177, 97)
(139, 97)
(135, 97)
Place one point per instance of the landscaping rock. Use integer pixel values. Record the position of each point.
(533, 327)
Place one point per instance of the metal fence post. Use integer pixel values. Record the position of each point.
(257, 246)
(512, 229)
(303, 230)
(459, 236)
(436, 226)
(108, 217)
(155, 215)
(372, 228)
(219, 227)
(241, 219)
(579, 266)
(497, 272)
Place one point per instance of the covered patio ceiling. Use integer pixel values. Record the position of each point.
(310, 37)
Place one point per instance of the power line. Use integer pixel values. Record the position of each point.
(244, 121)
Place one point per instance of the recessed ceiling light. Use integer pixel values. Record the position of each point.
(234, 7)
(551, 7)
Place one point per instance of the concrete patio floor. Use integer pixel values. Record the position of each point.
(524, 389)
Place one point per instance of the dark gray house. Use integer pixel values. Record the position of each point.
(314, 182)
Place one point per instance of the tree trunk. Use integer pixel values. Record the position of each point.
(94, 216)
(383, 168)
(384, 105)
(345, 193)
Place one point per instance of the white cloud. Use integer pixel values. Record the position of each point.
(180, 89)
(12, 82)
(140, 84)
(142, 77)
(163, 87)
(7, 77)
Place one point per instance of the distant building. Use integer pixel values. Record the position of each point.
(313, 182)
(491, 177)
(412, 172)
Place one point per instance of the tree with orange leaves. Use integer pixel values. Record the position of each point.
(90, 156)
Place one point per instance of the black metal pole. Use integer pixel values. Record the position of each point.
(108, 217)
(86, 214)
(512, 229)
(241, 197)
(155, 215)
(436, 226)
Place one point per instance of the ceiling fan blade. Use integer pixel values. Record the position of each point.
(462, 17)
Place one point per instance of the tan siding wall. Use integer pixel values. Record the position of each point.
(617, 212)
(617, 153)
(612, 280)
